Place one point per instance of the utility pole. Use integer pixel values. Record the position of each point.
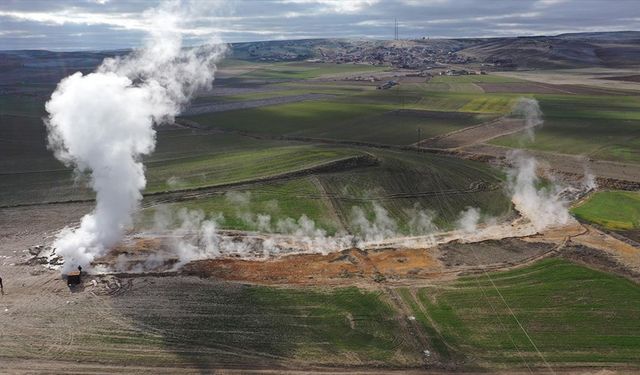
(396, 30)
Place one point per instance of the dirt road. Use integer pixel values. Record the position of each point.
(475, 134)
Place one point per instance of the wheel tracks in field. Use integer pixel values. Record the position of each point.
(347, 163)
(330, 202)
(411, 327)
(425, 312)
(476, 134)
(468, 152)
(330, 141)
(170, 336)
(475, 188)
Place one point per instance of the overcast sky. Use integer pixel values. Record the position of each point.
(110, 24)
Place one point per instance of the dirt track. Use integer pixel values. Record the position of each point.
(475, 134)
(572, 164)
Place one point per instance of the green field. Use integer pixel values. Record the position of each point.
(498, 104)
(303, 70)
(287, 89)
(472, 78)
(460, 87)
(368, 122)
(401, 184)
(615, 210)
(573, 315)
(605, 128)
(232, 323)
(278, 200)
(238, 166)
(184, 159)
(576, 317)
(324, 319)
(404, 182)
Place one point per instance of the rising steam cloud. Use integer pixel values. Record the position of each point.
(529, 110)
(102, 123)
(543, 206)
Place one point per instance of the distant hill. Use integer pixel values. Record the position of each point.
(573, 50)
(601, 49)
(610, 49)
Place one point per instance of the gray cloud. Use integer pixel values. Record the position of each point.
(100, 24)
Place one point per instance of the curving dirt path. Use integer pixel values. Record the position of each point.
(475, 134)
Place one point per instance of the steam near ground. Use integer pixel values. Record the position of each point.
(529, 110)
(102, 123)
(540, 205)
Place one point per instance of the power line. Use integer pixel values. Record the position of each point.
(518, 321)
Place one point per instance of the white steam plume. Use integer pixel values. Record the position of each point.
(381, 227)
(102, 123)
(468, 220)
(589, 182)
(543, 206)
(529, 110)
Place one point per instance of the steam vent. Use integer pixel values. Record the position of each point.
(320, 187)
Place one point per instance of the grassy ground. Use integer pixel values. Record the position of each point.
(183, 159)
(466, 102)
(460, 87)
(301, 70)
(334, 324)
(193, 322)
(369, 122)
(231, 324)
(403, 182)
(487, 78)
(615, 210)
(572, 314)
(575, 316)
(601, 127)
(236, 166)
(278, 200)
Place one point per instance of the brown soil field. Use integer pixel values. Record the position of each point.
(492, 252)
(367, 267)
(343, 268)
(621, 251)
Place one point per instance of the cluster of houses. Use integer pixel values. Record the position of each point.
(415, 57)
(461, 72)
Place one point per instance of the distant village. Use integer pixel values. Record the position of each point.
(414, 55)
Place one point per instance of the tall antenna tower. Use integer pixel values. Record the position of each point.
(396, 30)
